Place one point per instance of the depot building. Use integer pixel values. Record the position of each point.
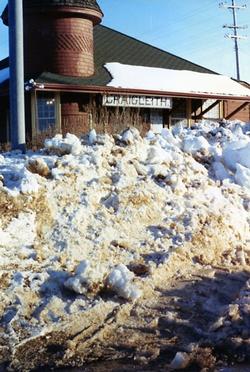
(81, 75)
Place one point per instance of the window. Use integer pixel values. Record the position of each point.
(46, 111)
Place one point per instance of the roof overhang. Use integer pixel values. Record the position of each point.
(143, 92)
(184, 82)
(108, 89)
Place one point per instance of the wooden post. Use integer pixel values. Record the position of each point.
(34, 124)
(221, 110)
(58, 124)
(189, 111)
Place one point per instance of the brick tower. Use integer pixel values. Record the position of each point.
(58, 36)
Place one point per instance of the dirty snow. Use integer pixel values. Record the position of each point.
(79, 220)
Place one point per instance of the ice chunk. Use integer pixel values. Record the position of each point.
(237, 152)
(242, 176)
(92, 137)
(119, 280)
(79, 282)
(130, 135)
(39, 166)
(157, 155)
(180, 361)
(167, 135)
(61, 146)
(193, 145)
(150, 135)
(85, 279)
(220, 171)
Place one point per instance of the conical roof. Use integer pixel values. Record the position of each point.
(91, 4)
(46, 4)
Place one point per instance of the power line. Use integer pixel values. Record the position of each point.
(179, 24)
(235, 27)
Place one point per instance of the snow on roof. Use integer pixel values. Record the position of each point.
(4, 74)
(176, 81)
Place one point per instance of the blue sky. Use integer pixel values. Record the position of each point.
(190, 29)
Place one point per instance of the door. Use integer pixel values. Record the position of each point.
(156, 120)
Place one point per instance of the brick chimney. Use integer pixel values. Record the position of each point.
(58, 36)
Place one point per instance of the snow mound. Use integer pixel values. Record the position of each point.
(106, 207)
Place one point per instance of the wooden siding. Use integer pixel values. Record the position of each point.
(231, 106)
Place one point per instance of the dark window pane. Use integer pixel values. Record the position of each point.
(46, 111)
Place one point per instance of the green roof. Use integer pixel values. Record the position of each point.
(4, 63)
(113, 46)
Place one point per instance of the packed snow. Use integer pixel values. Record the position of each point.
(80, 218)
(182, 81)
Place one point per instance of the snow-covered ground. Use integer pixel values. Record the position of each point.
(80, 219)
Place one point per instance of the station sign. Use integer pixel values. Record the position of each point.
(117, 100)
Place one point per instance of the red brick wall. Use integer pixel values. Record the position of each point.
(82, 112)
(74, 115)
(59, 44)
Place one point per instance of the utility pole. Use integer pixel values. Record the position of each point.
(234, 7)
(17, 111)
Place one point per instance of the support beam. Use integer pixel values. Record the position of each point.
(17, 114)
(189, 112)
(207, 109)
(241, 107)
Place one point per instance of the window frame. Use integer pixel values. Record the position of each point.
(34, 112)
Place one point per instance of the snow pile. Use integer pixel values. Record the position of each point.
(227, 146)
(114, 212)
(160, 79)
